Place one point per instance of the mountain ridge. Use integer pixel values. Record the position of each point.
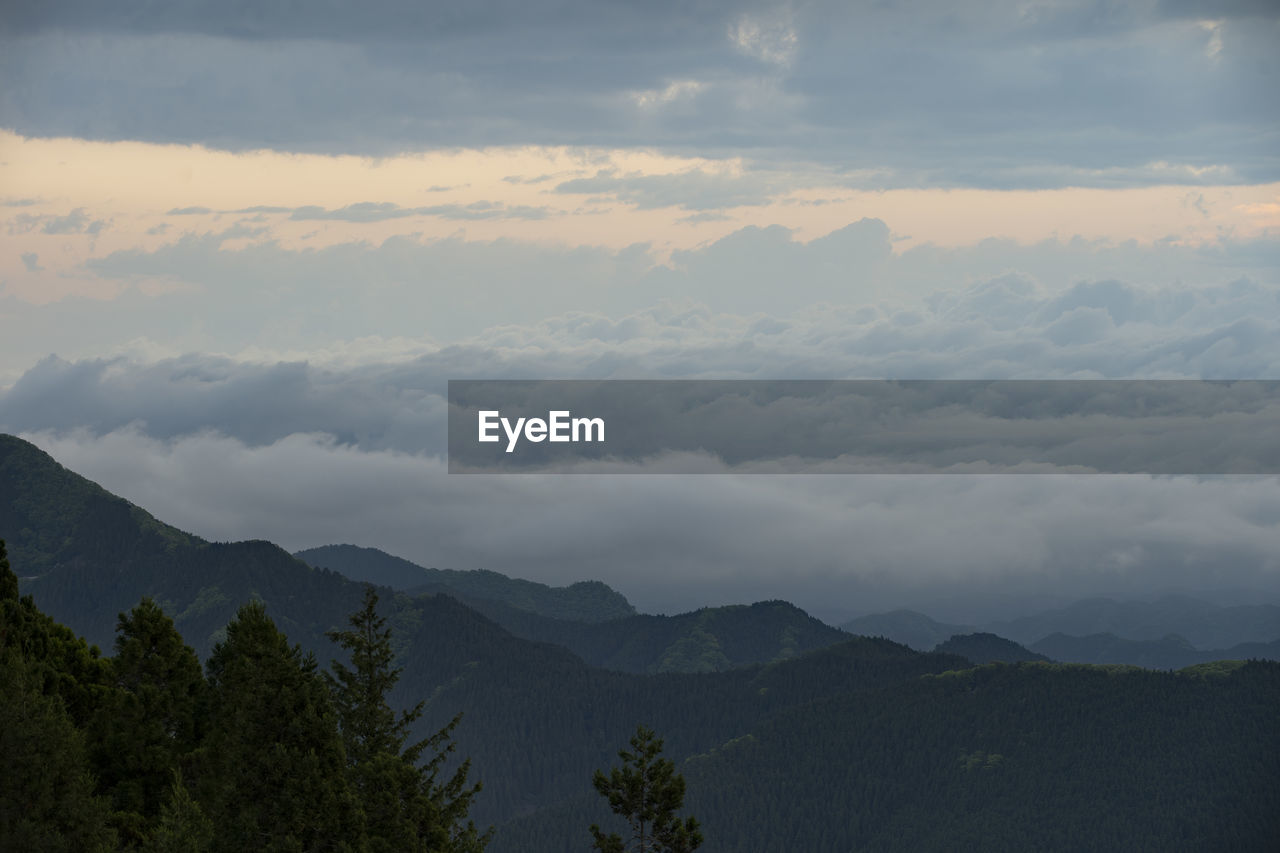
(584, 601)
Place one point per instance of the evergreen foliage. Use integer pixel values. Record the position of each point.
(150, 725)
(404, 806)
(47, 798)
(183, 826)
(983, 648)
(648, 792)
(273, 772)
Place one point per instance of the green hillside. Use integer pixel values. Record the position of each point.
(584, 601)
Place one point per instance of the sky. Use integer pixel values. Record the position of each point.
(241, 252)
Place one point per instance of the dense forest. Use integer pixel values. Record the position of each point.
(259, 750)
(860, 744)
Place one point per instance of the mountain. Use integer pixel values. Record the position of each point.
(87, 555)
(1002, 757)
(987, 648)
(596, 623)
(537, 719)
(1203, 625)
(585, 601)
(864, 744)
(907, 627)
(708, 640)
(1171, 652)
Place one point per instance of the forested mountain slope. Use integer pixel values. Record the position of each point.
(712, 639)
(1003, 757)
(988, 648)
(1204, 625)
(864, 744)
(585, 601)
(1171, 652)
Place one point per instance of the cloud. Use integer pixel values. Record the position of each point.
(969, 547)
(388, 395)
(705, 216)
(981, 311)
(75, 222)
(769, 38)
(367, 211)
(997, 95)
(250, 446)
(697, 189)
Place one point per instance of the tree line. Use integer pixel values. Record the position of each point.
(259, 749)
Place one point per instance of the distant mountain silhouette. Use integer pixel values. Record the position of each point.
(987, 648)
(907, 627)
(1203, 625)
(1171, 652)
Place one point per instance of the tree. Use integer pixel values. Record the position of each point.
(648, 792)
(149, 726)
(47, 799)
(182, 826)
(273, 775)
(405, 808)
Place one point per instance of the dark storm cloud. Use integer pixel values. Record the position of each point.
(1001, 94)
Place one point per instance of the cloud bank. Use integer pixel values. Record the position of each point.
(997, 95)
(347, 446)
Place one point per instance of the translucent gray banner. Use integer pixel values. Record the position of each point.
(864, 426)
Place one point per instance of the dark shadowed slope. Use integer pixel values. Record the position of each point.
(1171, 652)
(1203, 625)
(988, 648)
(585, 601)
(712, 639)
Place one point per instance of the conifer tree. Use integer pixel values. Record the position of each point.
(405, 807)
(273, 775)
(648, 792)
(47, 799)
(150, 725)
(183, 826)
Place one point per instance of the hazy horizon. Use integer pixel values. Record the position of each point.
(243, 256)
